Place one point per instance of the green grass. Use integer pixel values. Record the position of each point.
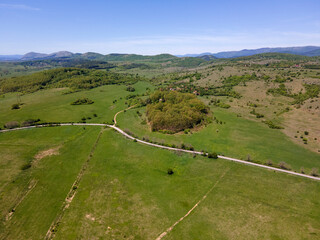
(54, 106)
(126, 193)
(237, 138)
(53, 176)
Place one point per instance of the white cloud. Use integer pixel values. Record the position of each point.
(18, 6)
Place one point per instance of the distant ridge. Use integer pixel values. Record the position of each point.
(309, 51)
(34, 55)
(10, 57)
(305, 51)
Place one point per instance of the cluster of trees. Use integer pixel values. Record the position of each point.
(218, 103)
(74, 78)
(82, 101)
(174, 111)
(272, 125)
(235, 80)
(205, 91)
(130, 89)
(312, 91)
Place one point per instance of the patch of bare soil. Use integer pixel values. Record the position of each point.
(46, 153)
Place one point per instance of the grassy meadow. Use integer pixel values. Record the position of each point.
(129, 195)
(238, 138)
(54, 106)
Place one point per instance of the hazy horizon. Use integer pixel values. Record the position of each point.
(156, 53)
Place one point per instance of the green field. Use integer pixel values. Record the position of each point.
(127, 194)
(237, 138)
(54, 106)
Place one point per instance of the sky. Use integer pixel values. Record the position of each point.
(156, 26)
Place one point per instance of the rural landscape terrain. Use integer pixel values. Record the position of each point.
(125, 146)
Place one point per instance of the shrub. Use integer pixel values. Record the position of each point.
(82, 101)
(302, 170)
(26, 166)
(30, 122)
(213, 155)
(170, 171)
(314, 172)
(284, 165)
(269, 163)
(130, 89)
(12, 124)
(272, 125)
(15, 106)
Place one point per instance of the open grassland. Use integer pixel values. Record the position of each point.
(238, 138)
(54, 106)
(126, 193)
(36, 193)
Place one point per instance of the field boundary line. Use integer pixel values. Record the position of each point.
(72, 192)
(32, 183)
(193, 208)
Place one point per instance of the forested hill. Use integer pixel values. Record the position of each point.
(74, 78)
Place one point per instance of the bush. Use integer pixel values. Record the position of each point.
(15, 106)
(284, 165)
(314, 172)
(269, 163)
(130, 89)
(170, 171)
(26, 166)
(12, 124)
(30, 122)
(82, 101)
(213, 155)
(272, 125)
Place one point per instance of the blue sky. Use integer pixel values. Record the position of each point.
(156, 26)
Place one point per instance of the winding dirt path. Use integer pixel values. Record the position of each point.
(115, 116)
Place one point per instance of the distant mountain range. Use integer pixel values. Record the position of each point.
(304, 51)
(10, 57)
